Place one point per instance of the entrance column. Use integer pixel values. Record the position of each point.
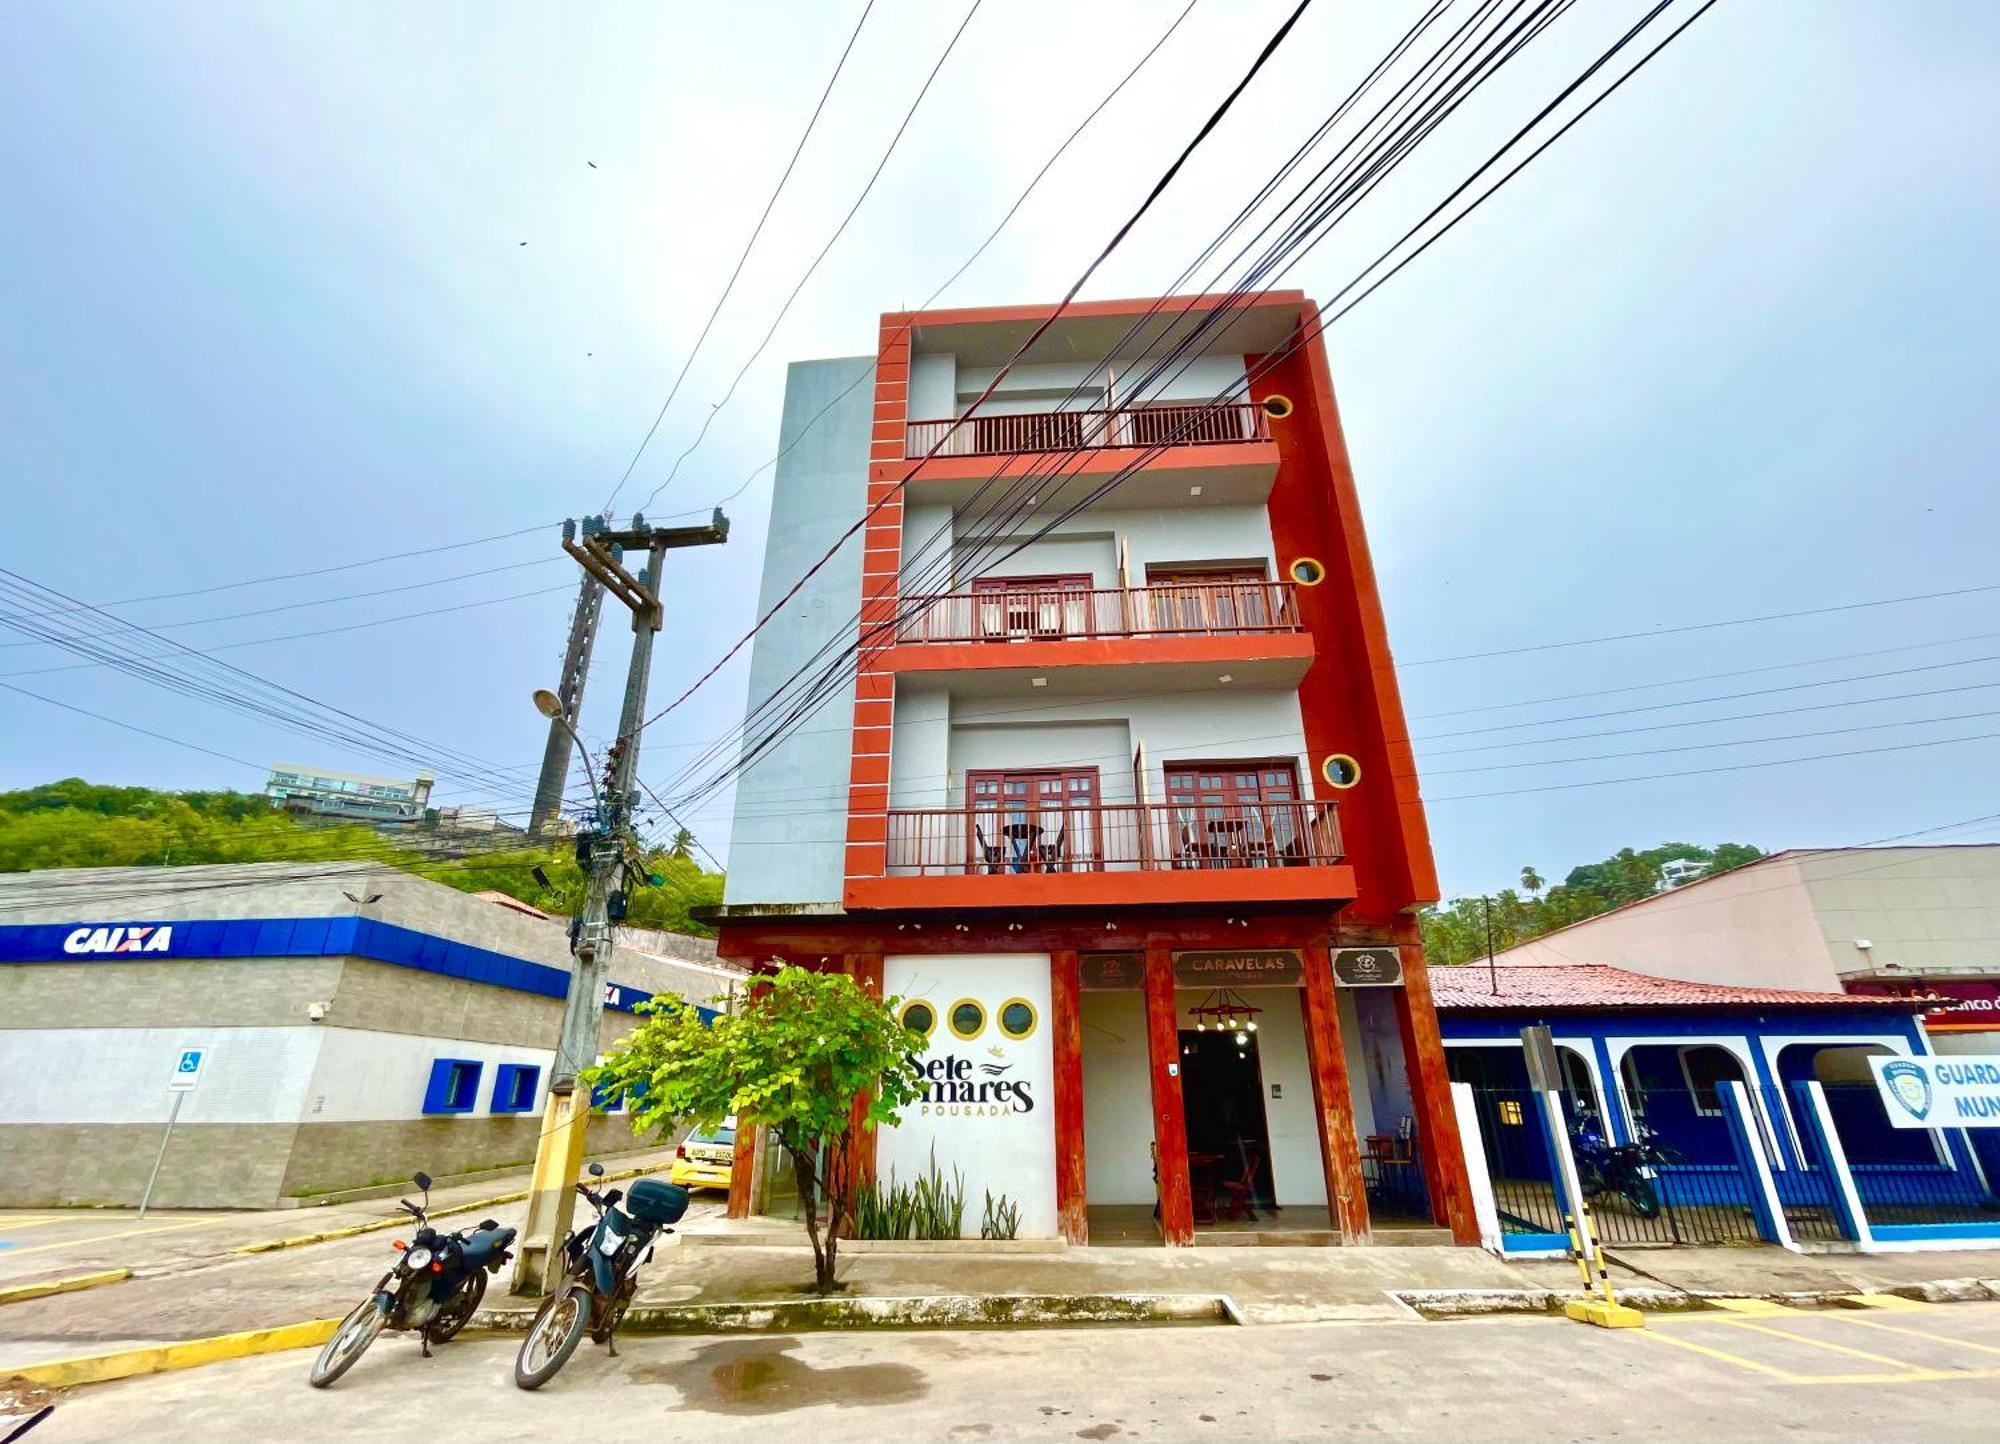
(1163, 1046)
(1333, 1104)
(866, 970)
(1438, 1142)
(1066, 1035)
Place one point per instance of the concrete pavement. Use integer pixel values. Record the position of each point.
(1930, 1372)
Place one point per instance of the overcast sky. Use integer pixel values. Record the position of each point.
(290, 286)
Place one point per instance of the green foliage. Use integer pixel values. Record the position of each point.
(930, 1208)
(1002, 1218)
(74, 823)
(794, 1058)
(1456, 931)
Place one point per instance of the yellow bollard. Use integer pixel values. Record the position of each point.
(1605, 1311)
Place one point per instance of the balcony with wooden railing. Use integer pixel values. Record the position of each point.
(1180, 424)
(1023, 613)
(1110, 853)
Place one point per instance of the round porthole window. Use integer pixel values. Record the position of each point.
(920, 1017)
(1340, 771)
(1306, 571)
(967, 1018)
(1277, 407)
(1017, 1018)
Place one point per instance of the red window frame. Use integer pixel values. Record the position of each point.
(1022, 600)
(1031, 819)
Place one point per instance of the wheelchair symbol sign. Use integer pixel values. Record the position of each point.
(187, 1070)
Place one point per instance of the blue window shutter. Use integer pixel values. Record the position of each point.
(454, 1086)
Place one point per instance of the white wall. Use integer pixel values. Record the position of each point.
(1088, 543)
(1223, 723)
(119, 1075)
(933, 386)
(1117, 1099)
(1196, 379)
(996, 1147)
(367, 1075)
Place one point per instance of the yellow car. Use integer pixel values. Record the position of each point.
(704, 1158)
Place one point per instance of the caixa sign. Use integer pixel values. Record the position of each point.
(96, 939)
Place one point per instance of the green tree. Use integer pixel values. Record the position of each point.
(794, 1058)
(1532, 881)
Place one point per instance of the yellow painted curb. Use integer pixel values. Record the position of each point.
(125, 1363)
(375, 1225)
(18, 1293)
(1890, 1302)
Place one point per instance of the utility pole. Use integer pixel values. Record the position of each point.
(569, 689)
(1492, 972)
(603, 851)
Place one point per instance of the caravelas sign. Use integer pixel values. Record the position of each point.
(100, 939)
(1949, 1091)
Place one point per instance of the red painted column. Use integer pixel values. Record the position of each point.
(1163, 1046)
(1066, 1034)
(743, 1169)
(866, 970)
(1333, 1105)
(1430, 1089)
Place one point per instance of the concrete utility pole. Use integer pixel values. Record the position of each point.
(569, 688)
(603, 851)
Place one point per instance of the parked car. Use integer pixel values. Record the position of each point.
(705, 1157)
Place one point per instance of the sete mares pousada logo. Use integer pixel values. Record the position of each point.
(956, 1087)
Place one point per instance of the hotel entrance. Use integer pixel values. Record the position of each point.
(1244, 1085)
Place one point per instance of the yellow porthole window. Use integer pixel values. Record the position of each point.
(1306, 571)
(919, 1017)
(1018, 1018)
(1277, 407)
(1340, 771)
(967, 1018)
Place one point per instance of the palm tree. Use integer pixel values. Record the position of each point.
(1532, 881)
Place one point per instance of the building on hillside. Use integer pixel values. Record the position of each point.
(1124, 811)
(350, 796)
(358, 1024)
(1910, 920)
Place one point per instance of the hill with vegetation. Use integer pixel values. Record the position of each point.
(74, 823)
(1455, 931)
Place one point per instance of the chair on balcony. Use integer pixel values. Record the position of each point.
(1053, 855)
(994, 854)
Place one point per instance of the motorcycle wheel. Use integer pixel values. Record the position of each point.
(349, 1342)
(558, 1328)
(457, 1311)
(1643, 1196)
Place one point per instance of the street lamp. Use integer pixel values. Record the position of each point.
(551, 707)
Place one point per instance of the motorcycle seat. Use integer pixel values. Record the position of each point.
(483, 1243)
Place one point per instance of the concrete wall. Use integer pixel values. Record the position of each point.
(786, 845)
(1751, 926)
(1087, 543)
(1117, 1099)
(1039, 387)
(1919, 907)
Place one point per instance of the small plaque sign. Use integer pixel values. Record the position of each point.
(1103, 972)
(1240, 968)
(1368, 967)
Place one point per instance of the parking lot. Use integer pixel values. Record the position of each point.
(1923, 1371)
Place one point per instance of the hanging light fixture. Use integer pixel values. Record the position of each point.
(1229, 1011)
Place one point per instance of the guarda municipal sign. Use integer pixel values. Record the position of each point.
(1955, 1091)
(92, 940)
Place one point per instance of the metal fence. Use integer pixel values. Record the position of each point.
(1907, 1176)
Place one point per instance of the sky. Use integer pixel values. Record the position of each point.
(288, 287)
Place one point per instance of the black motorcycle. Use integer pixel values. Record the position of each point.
(1628, 1169)
(435, 1288)
(599, 1274)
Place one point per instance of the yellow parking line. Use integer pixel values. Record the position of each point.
(14, 1253)
(1728, 1358)
(1755, 1307)
(12, 1224)
(1913, 1376)
(1825, 1344)
(1922, 1334)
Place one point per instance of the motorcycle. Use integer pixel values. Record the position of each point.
(599, 1274)
(1630, 1170)
(435, 1288)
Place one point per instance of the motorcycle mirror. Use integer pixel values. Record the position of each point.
(423, 1181)
(597, 1170)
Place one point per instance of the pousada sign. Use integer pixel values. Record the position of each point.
(1952, 1091)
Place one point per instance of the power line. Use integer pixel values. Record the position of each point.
(755, 231)
(1707, 626)
(838, 231)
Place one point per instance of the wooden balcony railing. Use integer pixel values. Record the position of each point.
(1043, 613)
(1194, 424)
(1113, 837)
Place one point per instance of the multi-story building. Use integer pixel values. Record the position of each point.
(1119, 798)
(323, 792)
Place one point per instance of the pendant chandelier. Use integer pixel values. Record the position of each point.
(1226, 1011)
